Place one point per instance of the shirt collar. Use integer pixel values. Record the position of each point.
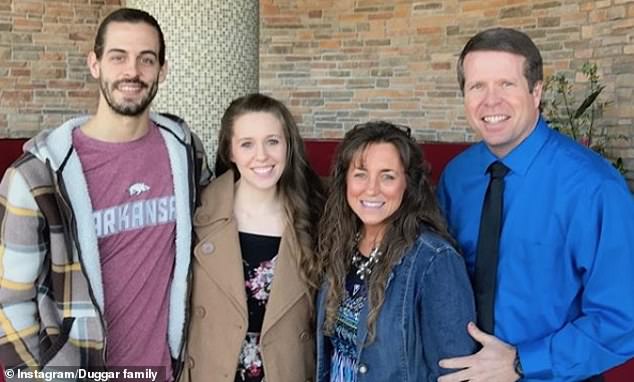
(521, 157)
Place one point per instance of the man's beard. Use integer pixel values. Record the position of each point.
(128, 109)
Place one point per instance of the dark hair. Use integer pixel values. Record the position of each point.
(339, 225)
(128, 15)
(510, 41)
(299, 186)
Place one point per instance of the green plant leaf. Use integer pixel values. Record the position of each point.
(579, 124)
(588, 102)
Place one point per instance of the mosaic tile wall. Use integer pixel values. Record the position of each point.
(212, 52)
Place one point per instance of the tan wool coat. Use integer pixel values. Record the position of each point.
(219, 317)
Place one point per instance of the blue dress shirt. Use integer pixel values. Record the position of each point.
(565, 280)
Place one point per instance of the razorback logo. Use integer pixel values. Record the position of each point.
(138, 189)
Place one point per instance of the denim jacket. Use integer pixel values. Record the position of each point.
(428, 303)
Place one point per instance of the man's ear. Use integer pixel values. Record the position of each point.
(537, 93)
(93, 65)
(163, 72)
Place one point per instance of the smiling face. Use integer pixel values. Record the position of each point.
(498, 102)
(375, 185)
(258, 149)
(129, 70)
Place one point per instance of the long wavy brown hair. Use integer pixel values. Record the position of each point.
(299, 186)
(418, 212)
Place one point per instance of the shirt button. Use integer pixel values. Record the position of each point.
(304, 336)
(208, 247)
(363, 369)
(201, 312)
(190, 363)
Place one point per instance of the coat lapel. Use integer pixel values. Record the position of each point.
(287, 286)
(217, 251)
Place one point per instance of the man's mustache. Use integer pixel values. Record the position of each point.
(131, 81)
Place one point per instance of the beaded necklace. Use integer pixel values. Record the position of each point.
(364, 267)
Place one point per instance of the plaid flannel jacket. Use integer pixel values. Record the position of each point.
(51, 295)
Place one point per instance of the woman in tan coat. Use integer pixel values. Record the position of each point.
(254, 270)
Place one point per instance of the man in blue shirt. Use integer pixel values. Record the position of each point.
(564, 294)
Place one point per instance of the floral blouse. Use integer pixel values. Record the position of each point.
(259, 254)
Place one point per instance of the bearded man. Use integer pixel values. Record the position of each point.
(95, 222)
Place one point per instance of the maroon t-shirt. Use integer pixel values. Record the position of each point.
(131, 189)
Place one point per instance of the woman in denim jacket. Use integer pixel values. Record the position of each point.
(396, 297)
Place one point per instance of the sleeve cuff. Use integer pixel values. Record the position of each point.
(535, 359)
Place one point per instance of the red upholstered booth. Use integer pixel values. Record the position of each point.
(10, 149)
(320, 155)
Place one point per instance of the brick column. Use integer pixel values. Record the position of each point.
(212, 53)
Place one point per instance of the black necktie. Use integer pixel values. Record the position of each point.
(488, 247)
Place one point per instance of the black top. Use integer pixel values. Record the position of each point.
(258, 260)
